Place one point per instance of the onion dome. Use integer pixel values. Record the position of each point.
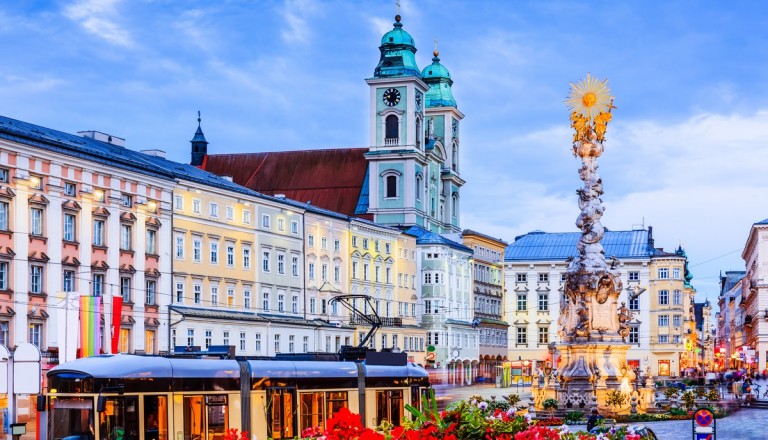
(439, 80)
(398, 54)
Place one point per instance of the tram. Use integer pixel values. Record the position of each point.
(200, 397)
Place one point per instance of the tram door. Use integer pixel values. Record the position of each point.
(119, 418)
(281, 415)
(205, 417)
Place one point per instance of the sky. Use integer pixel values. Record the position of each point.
(685, 152)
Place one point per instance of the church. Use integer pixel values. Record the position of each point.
(409, 175)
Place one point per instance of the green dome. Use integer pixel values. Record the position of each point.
(398, 54)
(439, 80)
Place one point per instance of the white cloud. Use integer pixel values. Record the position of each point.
(295, 14)
(98, 18)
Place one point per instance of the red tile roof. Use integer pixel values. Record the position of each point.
(330, 179)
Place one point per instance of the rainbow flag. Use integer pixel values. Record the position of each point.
(90, 325)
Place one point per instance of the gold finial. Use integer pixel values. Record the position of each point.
(436, 52)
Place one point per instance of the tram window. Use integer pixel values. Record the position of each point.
(389, 406)
(416, 397)
(281, 414)
(119, 420)
(155, 418)
(205, 417)
(71, 417)
(317, 407)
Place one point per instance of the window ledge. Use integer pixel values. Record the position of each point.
(76, 244)
(100, 247)
(127, 252)
(42, 238)
(38, 294)
(7, 232)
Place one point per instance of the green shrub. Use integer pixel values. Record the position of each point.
(615, 398)
(498, 404)
(678, 412)
(713, 395)
(513, 399)
(689, 399)
(671, 391)
(574, 416)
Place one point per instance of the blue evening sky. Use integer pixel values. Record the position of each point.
(686, 151)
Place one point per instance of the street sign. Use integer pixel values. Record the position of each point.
(430, 355)
(703, 423)
(430, 348)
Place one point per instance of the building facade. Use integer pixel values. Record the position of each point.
(729, 334)
(755, 298)
(488, 299)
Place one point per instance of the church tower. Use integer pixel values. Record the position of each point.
(199, 145)
(401, 164)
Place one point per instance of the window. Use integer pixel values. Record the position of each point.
(67, 283)
(125, 289)
(4, 226)
(99, 195)
(208, 338)
(242, 341)
(634, 276)
(365, 243)
(312, 305)
(265, 221)
(663, 339)
(634, 304)
(230, 296)
(337, 274)
(198, 292)
(265, 301)
(663, 273)
(543, 301)
(522, 335)
(125, 237)
(151, 290)
(354, 241)
(306, 346)
(280, 302)
(522, 302)
(151, 242)
(376, 276)
(69, 227)
(35, 182)
(543, 277)
(230, 254)
(36, 334)
(391, 186)
(634, 335)
(281, 264)
(295, 266)
(214, 252)
(247, 298)
(214, 296)
(190, 337)
(391, 130)
(97, 284)
(247, 258)
(246, 216)
(354, 270)
(388, 279)
(197, 251)
(294, 227)
(196, 206)
(336, 245)
(180, 247)
(676, 273)
(365, 271)
(277, 343)
(258, 343)
(663, 320)
(295, 304)
(522, 277)
(323, 243)
(230, 213)
(663, 297)
(36, 279)
(127, 200)
(265, 261)
(4, 175)
(225, 337)
(178, 202)
(324, 272)
(4, 333)
(36, 219)
(311, 270)
(98, 232)
(280, 224)
(70, 189)
(213, 209)
(676, 298)
(388, 248)
(179, 292)
(311, 240)
(543, 335)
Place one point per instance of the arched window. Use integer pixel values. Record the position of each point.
(418, 187)
(391, 186)
(455, 205)
(392, 130)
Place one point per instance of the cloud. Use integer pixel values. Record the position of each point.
(295, 14)
(97, 17)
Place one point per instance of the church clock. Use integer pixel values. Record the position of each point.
(391, 97)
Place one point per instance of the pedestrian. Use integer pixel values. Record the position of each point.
(593, 420)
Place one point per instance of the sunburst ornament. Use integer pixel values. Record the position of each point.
(590, 97)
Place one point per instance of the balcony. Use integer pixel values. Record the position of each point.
(391, 141)
(386, 322)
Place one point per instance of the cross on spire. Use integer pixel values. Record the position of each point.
(436, 51)
(397, 3)
(198, 118)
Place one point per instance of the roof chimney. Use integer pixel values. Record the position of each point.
(154, 152)
(103, 137)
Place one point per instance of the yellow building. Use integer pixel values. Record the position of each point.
(672, 323)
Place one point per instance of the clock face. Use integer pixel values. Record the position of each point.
(391, 97)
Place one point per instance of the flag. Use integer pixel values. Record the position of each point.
(117, 309)
(90, 325)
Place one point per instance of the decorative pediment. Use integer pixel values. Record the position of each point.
(38, 256)
(543, 288)
(71, 205)
(152, 322)
(6, 192)
(70, 261)
(378, 259)
(127, 217)
(128, 320)
(127, 268)
(356, 254)
(389, 260)
(521, 288)
(100, 212)
(6, 252)
(38, 199)
(521, 322)
(328, 287)
(99, 265)
(152, 273)
(367, 256)
(9, 312)
(153, 222)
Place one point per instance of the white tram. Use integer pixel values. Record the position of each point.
(128, 397)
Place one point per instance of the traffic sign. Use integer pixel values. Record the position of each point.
(430, 355)
(703, 423)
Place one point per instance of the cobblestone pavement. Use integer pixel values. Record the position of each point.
(746, 424)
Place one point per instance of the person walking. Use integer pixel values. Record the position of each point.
(593, 420)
